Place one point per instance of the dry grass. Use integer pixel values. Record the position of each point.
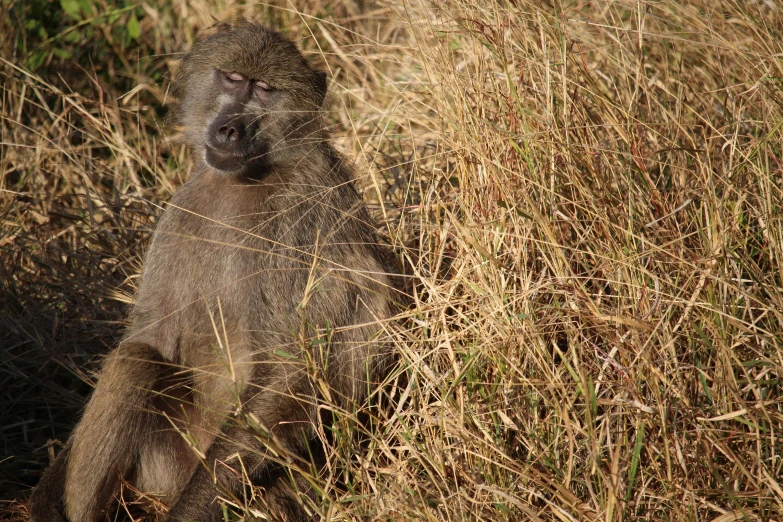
(588, 195)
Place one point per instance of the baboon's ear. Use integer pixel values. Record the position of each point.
(320, 86)
(218, 28)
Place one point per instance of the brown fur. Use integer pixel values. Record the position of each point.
(251, 261)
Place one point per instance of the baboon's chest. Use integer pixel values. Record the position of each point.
(210, 264)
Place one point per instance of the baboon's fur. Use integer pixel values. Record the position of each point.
(252, 270)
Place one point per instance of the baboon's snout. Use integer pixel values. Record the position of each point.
(229, 140)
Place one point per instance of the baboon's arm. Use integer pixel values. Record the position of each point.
(106, 441)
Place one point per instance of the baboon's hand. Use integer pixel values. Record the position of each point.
(198, 502)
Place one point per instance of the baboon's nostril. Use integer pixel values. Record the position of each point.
(227, 134)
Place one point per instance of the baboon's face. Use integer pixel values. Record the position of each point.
(234, 137)
(248, 98)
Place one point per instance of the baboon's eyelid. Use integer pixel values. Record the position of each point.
(234, 77)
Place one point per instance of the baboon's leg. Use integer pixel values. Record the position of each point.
(46, 502)
(284, 411)
(116, 422)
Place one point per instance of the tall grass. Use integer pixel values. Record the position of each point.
(588, 197)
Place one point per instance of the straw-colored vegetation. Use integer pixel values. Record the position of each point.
(587, 196)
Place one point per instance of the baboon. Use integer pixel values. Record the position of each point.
(263, 280)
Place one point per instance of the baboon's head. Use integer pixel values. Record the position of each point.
(248, 98)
